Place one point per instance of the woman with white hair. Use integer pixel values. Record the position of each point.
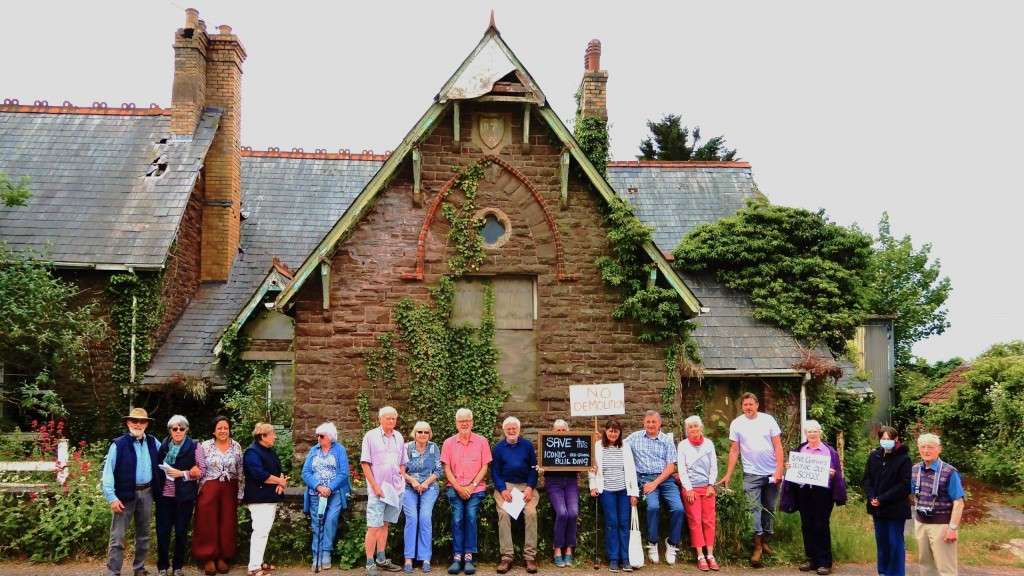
(325, 473)
(421, 476)
(563, 490)
(815, 503)
(698, 471)
(178, 483)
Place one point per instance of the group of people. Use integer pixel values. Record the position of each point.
(209, 479)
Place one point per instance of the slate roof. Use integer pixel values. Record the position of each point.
(92, 203)
(289, 204)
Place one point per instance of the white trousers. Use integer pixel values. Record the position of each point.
(262, 519)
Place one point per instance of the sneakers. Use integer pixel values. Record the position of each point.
(670, 553)
(713, 564)
(567, 558)
(626, 567)
(407, 568)
(468, 567)
(426, 566)
(371, 569)
(455, 567)
(559, 561)
(387, 565)
(652, 553)
(613, 566)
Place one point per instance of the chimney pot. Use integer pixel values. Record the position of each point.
(592, 58)
(224, 29)
(191, 18)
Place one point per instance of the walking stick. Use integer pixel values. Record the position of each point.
(597, 509)
(320, 534)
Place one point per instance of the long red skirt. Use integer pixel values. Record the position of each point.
(215, 521)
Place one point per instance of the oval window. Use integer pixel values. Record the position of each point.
(493, 230)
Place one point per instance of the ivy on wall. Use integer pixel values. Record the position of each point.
(147, 310)
(592, 135)
(464, 240)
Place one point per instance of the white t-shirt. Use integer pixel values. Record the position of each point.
(755, 439)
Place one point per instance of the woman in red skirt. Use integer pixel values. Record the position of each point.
(220, 490)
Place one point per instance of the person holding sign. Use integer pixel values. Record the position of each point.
(465, 457)
(655, 457)
(813, 501)
(614, 481)
(938, 506)
(698, 470)
(383, 459)
(514, 469)
(564, 492)
(758, 438)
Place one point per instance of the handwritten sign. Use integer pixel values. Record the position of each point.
(566, 451)
(597, 399)
(808, 469)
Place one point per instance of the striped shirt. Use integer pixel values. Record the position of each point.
(613, 469)
(651, 454)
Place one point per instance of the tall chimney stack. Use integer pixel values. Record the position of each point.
(594, 89)
(188, 94)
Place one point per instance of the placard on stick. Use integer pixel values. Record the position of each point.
(597, 399)
(566, 451)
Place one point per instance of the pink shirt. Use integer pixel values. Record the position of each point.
(386, 456)
(819, 450)
(467, 458)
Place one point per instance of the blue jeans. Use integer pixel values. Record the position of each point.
(763, 497)
(670, 492)
(615, 506)
(324, 543)
(890, 546)
(464, 521)
(419, 511)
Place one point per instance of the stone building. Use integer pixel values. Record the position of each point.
(306, 253)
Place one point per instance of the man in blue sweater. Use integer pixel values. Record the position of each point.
(514, 466)
(127, 483)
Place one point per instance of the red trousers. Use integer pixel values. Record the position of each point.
(700, 517)
(215, 520)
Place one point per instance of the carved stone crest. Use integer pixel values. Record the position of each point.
(491, 132)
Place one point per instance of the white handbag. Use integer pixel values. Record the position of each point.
(636, 541)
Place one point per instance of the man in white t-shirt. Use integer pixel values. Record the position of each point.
(758, 438)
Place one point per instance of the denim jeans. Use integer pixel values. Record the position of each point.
(615, 506)
(464, 521)
(324, 543)
(890, 547)
(564, 493)
(668, 491)
(763, 497)
(419, 512)
(177, 515)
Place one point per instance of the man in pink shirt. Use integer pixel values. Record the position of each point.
(383, 461)
(465, 457)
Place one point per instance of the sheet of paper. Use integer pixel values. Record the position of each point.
(515, 507)
(391, 496)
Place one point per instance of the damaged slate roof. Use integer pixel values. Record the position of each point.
(288, 205)
(92, 202)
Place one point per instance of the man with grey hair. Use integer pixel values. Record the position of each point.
(938, 507)
(655, 457)
(383, 461)
(465, 457)
(514, 467)
(127, 482)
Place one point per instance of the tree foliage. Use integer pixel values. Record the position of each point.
(44, 333)
(901, 281)
(12, 194)
(802, 272)
(670, 140)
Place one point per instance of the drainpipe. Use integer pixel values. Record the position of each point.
(128, 391)
(803, 405)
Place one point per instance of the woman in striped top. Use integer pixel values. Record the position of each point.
(698, 471)
(613, 479)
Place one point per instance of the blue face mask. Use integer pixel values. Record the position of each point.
(887, 444)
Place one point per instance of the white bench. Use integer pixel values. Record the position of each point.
(58, 466)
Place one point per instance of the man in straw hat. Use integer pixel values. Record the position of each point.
(128, 474)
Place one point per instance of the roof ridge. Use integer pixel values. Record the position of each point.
(678, 164)
(318, 154)
(97, 108)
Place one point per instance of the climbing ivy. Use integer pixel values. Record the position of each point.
(148, 312)
(592, 135)
(464, 239)
(248, 398)
(380, 364)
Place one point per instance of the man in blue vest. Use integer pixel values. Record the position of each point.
(128, 474)
(938, 506)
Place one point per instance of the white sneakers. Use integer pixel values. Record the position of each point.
(652, 553)
(670, 553)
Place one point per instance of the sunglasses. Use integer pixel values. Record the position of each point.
(423, 431)
(178, 429)
(321, 435)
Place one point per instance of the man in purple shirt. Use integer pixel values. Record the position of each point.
(383, 461)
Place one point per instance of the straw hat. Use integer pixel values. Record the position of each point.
(138, 414)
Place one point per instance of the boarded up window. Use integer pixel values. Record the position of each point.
(282, 381)
(515, 311)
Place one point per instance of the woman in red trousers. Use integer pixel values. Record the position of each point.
(220, 490)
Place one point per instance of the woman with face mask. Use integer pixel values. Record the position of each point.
(886, 489)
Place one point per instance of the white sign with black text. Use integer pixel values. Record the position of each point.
(597, 399)
(809, 469)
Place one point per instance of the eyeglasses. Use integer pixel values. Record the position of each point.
(178, 429)
(423, 431)
(321, 435)
(137, 421)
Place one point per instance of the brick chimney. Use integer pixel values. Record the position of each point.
(594, 88)
(208, 74)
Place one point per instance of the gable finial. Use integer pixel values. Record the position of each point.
(492, 24)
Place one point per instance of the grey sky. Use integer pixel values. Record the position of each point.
(909, 107)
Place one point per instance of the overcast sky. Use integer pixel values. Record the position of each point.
(905, 107)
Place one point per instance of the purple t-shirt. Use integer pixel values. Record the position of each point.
(386, 455)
